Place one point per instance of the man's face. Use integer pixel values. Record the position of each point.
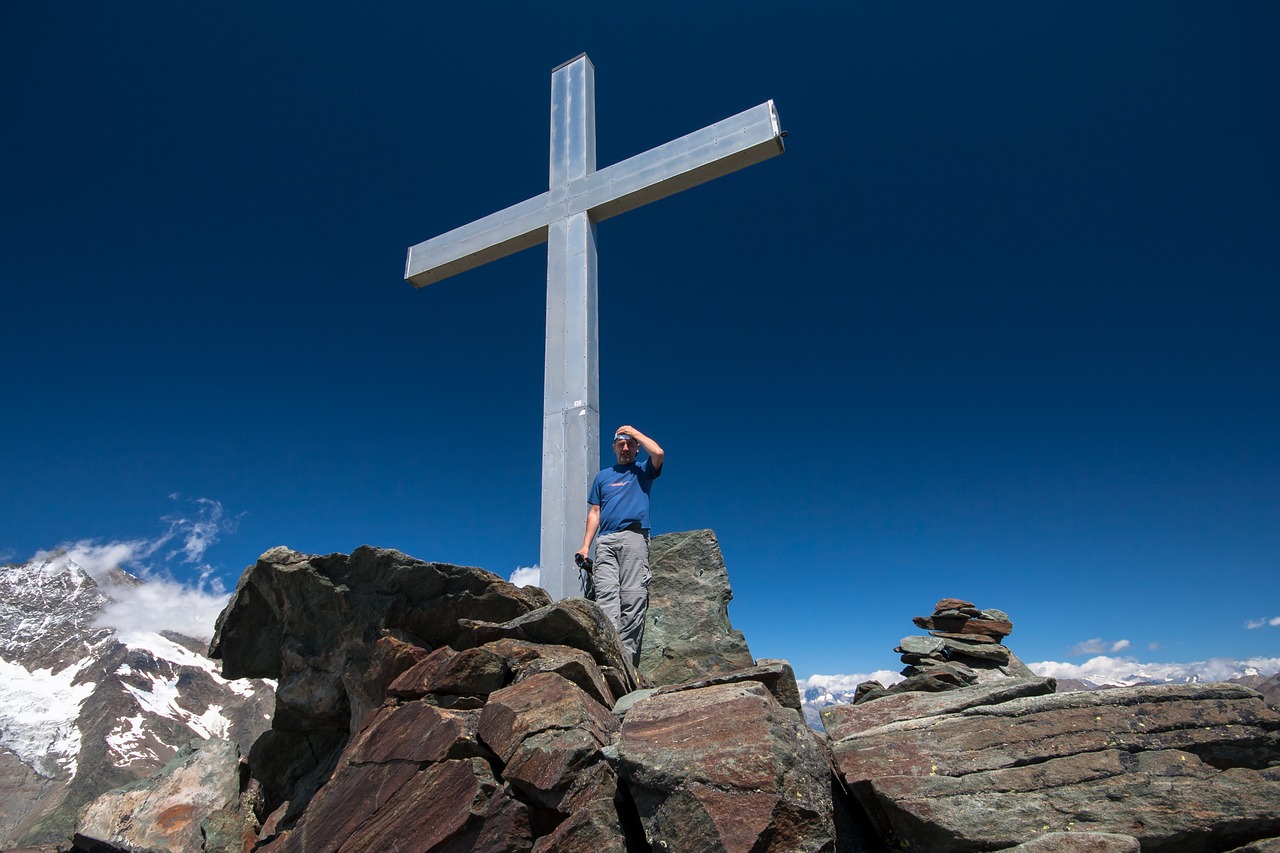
(625, 449)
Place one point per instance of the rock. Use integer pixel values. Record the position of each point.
(975, 649)
(952, 604)
(311, 622)
(623, 705)
(726, 767)
(548, 733)
(1079, 842)
(416, 732)
(526, 659)
(687, 631)
(166, 811)
(776, 675)
(472, 672)
(1173, 766)
(594, 828)
(451, 805)
(923, 646)
(541, 702)
(573, 622)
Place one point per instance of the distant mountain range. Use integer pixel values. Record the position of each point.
(85, 708)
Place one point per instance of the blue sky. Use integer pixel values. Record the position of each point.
(1001, 324)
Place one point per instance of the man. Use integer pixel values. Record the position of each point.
(618, 523)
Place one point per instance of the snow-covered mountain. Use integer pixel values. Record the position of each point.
(85, 707)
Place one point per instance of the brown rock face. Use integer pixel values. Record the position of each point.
(726, 767)
(1174, 767)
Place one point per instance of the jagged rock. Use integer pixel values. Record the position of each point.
(539, 703)
(526, 659)
(1079, 842)
(311, 622)
(776, 675)
(1173, 766)
(687, 631)
(455, 804)
(956, 604)
(573, 622)
(549, 734)
(594, 828)
(726, 767)
(473, 672)
(165, 812)
(417, 732)
(392, 657)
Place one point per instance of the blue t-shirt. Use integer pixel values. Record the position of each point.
(622, 493)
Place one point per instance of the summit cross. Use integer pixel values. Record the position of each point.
(565, 217)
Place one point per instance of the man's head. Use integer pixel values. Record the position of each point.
(625, 447)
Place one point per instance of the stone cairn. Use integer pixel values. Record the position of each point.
(964, 646)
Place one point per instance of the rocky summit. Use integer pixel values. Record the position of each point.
(431, 707)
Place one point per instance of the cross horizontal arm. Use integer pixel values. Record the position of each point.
(726, 146)
(497, 235)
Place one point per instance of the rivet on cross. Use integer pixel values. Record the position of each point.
(565, 217)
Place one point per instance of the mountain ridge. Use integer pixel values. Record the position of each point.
(88, 706)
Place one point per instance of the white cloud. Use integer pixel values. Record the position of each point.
(526, 576)
(1096, 646)
(161, 603)
(836, 683)
(1104, 669)
(1274, 621)
(200, 532)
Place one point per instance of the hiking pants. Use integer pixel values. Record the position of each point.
(621, 577)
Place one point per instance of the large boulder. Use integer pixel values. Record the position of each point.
(166, 812)
(725, 767)
(687, 633)
(313, 623)
(1180, 768)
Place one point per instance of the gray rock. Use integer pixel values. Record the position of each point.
(1173, 766)
(923, 646)
(777, 675)
(1079, 842)
(687, 632)
(166, 811)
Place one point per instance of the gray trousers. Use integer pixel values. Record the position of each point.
(621, 576)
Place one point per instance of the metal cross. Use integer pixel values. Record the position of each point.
(565, 217)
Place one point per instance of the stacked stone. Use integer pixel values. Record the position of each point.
(964, 646)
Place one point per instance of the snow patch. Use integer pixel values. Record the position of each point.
(38, 714)
(126, 741)
(162, 701)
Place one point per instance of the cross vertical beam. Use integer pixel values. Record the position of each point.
(571, 387)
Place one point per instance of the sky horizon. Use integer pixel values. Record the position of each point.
(1000, 324)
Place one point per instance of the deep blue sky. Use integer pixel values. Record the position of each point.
(1001, 324)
